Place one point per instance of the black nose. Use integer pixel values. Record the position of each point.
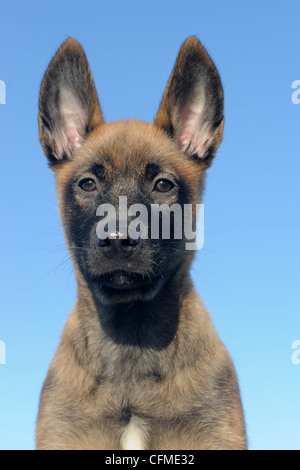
(116, 247)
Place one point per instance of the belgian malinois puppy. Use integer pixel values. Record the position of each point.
(140, 365)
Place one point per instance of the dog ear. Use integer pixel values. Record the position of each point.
(68, 106)
(191, 110)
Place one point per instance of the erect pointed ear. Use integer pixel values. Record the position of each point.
(191, 110)
(68, 106)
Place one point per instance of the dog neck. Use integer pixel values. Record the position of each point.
(142, 323)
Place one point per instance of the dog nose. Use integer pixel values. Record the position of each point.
(115, 247)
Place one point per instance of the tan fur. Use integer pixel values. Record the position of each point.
(101, 394)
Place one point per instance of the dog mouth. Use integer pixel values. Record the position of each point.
(119, 287)
(125, 281)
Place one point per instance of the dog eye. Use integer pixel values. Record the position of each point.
(88, 185)
(163, 186)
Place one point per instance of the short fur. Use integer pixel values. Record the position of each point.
(139, 364)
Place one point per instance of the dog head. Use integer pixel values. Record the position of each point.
(140, 166)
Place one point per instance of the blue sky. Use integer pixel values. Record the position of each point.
(248, 272)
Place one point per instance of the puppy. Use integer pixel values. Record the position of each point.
(140, 365)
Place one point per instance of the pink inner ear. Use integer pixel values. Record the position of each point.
(193, 132)
(72, 125)
(73, 119)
